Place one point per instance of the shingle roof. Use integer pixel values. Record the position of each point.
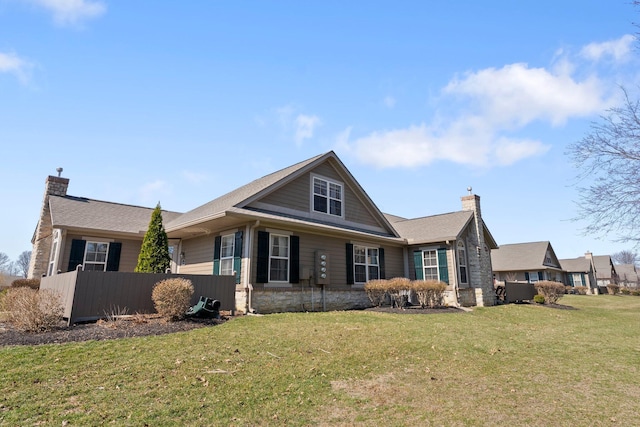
(83, 213)
(436, 228)
(576, 265)
(603, 266)
(627, 272)
(235, 197)
(520, 256)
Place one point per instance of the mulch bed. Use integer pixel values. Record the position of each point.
(99, 331)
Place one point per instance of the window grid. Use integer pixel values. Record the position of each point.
(327, 197)
(279, 258)
(366, 264)
(95, 256)
(227, 244)
(430, 265)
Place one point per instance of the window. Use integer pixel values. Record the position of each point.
(533, 276)
(462, 262)
(577, 279)
(366, 264)
(327, 197)
(226, 255)
(54, 254)
(279, 258)
(430, 265)
(95, 256)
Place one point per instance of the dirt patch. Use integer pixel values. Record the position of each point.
(123, 328)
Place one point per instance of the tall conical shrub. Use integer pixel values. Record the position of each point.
(154, 253)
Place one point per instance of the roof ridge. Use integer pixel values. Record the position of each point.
(80, 198)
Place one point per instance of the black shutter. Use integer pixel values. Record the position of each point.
(76, 257)
(113, 259)
(217, 242)
(381, 262)
(294, 259)
(262, 263)
(237, 255)
(350, 278)
(526, 276)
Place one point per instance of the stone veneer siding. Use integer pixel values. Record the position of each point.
(279, 300)
(481, 278)
(40, 254)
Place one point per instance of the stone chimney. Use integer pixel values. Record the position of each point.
(40, 254)
(481, 275)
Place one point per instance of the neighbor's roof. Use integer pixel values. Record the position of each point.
(89, 214)
(520, 256)
(578, 265)
(627, 272)
(603, 266)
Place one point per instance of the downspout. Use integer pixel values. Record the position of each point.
(247, 271)
(456, 286)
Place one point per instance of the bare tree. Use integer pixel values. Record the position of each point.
(608, 158)
(23, 263)
(4, 261)
(625, 257)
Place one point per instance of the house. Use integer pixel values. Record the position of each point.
(306, 237)
(580, 271)
(605, 270)
(526, 262)
(627, 275)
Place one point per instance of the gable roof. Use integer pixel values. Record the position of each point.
(603, 266)
(627, 272)
(430, 229)
(576, 265)
(522, 256)
(80, 213)
(236, 201)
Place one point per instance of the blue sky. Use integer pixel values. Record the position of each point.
(180, 102)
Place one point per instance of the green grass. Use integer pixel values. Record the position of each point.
(507, 365)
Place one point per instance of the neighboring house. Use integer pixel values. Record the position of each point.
(605, 270)
(580, 272)
(627, 275)
(272, 234)
(526, 262)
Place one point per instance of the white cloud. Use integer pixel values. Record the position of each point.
(13, 64)
(71, 12)
(389, 101)
(305, 127)
(488, 109)
(194, 177)
(618, 49)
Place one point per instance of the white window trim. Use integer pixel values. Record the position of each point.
(533, 274)
(106, 256)
(226, 258)
(312, 194)
(366, 262)
(55, 250)
(462, 262)
(288, 258)
(437, 266)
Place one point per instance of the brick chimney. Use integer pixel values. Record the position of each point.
(40, 254)
(481, 277)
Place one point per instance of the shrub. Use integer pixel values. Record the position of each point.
(539, 299)
(612, 288)
(171, 297)
(26, 283)
(635, 293)
(625, 291)
(399, 288)
(568, 289)
(581, 290)
(31, 310)
(430, 292)
(551, 291)
(376, 291)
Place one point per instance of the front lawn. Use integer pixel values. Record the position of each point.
(507, 365)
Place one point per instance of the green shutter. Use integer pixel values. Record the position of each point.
(584, 283)
(417, 262)
(294, 259)
(443, 269)
(113, 259)
(216, 255)
(570, 276)
(237, 255)
(262, 262)
(349, 258)
(76, 257)
(540, 275)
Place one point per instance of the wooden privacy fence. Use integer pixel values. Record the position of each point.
(91, 295)
(515, 291)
